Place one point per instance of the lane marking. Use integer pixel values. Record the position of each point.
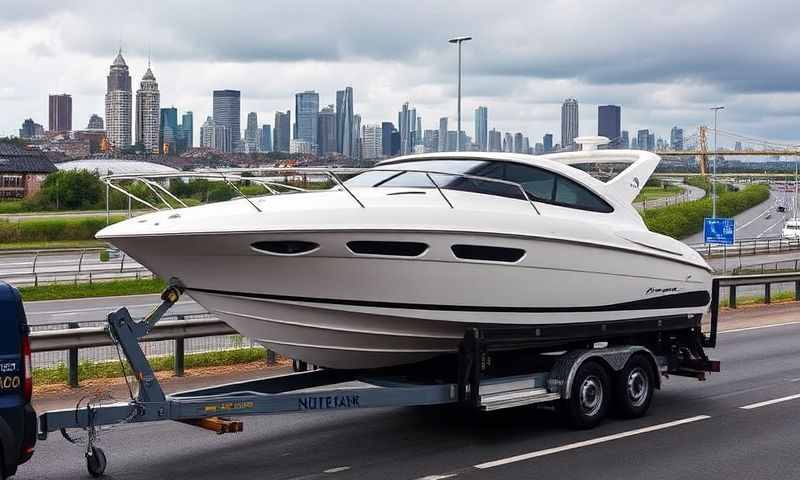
(336, 470)
(438, 477)
(754, 219)
(759, 327)
(770, 402)
(587, 443)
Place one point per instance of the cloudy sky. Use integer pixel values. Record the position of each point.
(665, 62)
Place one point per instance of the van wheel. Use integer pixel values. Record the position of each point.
(633, 388)
(590, 398)
(96, 462)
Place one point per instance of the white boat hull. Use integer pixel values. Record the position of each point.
(336, 309)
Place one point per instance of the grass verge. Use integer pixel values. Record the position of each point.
(89, 370)
(743, 300)
(51, 244)
(651, 193)
(97, 289)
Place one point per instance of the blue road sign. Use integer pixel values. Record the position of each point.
(719, 230)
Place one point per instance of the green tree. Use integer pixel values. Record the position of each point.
(71, 190)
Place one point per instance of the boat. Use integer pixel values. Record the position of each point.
(394, 264)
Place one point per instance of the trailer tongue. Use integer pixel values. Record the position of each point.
(495, 368)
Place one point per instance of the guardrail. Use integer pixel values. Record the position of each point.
(767, 280)
(75, 276)
(748, 246)
(781, 266)
(85, 267)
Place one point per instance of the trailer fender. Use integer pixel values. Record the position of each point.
(614, 358)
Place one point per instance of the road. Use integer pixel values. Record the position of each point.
(690, 193)
(753, 223)
(96, 309)
(694, 430)
(19, 268)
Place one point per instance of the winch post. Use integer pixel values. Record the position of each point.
(126, 332)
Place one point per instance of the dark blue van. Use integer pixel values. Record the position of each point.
(17, 417)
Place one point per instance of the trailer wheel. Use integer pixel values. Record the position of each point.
(96, 462)
(591, 396)
(634, 387)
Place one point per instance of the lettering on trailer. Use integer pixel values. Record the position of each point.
(10, 382)
(329, 402)
(227, 406)
(8, 366)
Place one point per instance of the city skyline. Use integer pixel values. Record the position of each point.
(55, 46)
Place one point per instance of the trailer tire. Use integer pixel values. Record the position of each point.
(96, 462)
(633, 387)
(591, 396)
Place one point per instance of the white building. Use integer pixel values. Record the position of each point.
(148, 112)
(372, 142)
(300, 146)
(213, 135)
(118, 104)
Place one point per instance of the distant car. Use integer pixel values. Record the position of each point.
(781, 208)
(768, 216)
(113, 252)
(17, 417)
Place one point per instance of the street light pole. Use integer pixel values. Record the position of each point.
(714, 166)
(459, 41)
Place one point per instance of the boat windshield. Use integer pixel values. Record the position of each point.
(540, 185)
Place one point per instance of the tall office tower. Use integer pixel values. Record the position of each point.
(96, 123)
(356, 137)
(418, 133)
(387, 129)
(372, 142)
(118, 104)
(227, 112)
(405, 124)
(651, 142)
(213, 136)
(452, 141)
(326, 131)
(676, 139)
(526, 145)
(31, 130)
(518, 147)
(395, 150)
(344, 121)
(569, 123)
(306, 112)
(281, 131)
(608, 124)
(547, 142)
(626, 141)
(168, 133)
(412, 128)
(508, 143)
(148, 113)
(265, 138)
(430, 141)
(634, 143)
(443, 134)
(186, 130)
(251, 133)
(481, 128)
(538, 148)
(60, 113)
(641, 139)
(495, 143)
(737, 146)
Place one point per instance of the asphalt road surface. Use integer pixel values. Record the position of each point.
(740, 424)
(19, 268)
(96, 309)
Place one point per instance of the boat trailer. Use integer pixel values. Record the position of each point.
(320, 390)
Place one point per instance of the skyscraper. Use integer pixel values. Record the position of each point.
(213, 136)
(651, 142)
(186, 130)
(281, 132)
(676, 138)
(405, 123)
(31, 130)
(357, 137)
(642, 139)
(118, 104)
(387, 129)
(626, 141)
(60, 113)
(265, 135)
(481, 127)
(344, 121)
(547, 142)
(148, 113)
(495, 143)
(608, 124)
(508, 143)
(168, 133)
(569, 123)
(306, 112)
(518, 144)
(327, 136)
(227, 112)
(430, 140)
(96, 123)
(251, 133)
(443, 134)
(372, 142)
